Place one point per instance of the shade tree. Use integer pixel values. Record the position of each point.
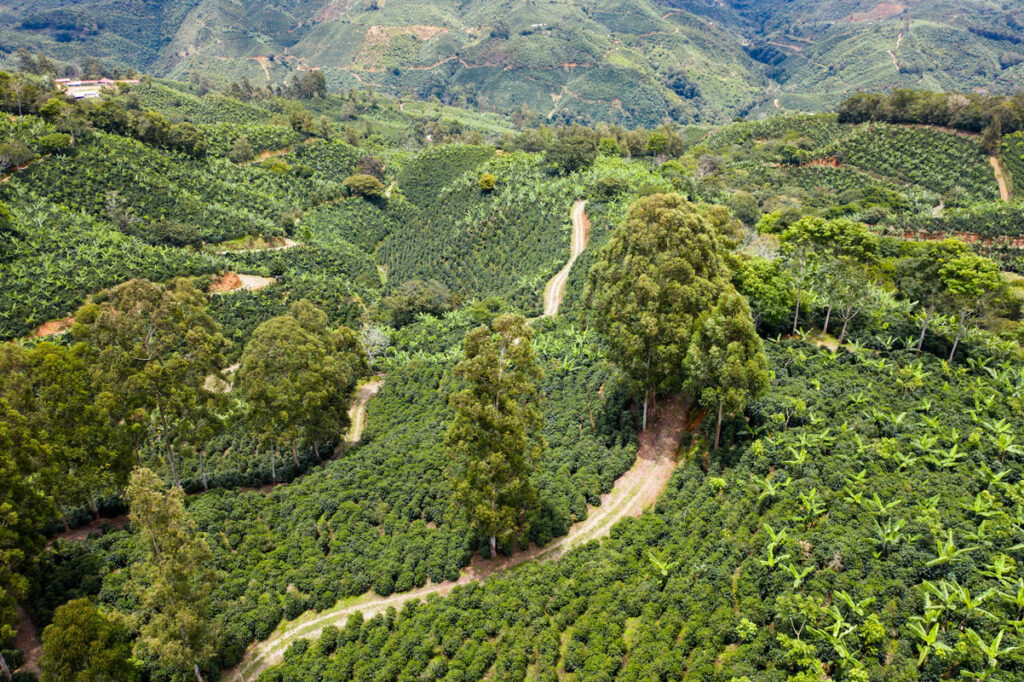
(660, 269)
(157, 344)
(174, 582)
(494, 441)
(725, 364)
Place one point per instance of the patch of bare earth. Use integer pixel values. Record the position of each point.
(27, 640)
(633, 492)
(54, 327)
(232, 281)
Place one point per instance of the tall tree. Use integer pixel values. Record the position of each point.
(768, 288)
(659, 270)
(824, 250)
(175, 580)
(159, 344)
(494, 443)
(83, 644)
(970, 280)
(296, 378)
(58, 390)
(22, 511)
(725, 364)
(918, 277)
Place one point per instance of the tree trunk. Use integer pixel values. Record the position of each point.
(316, 450)
(493, 542)
(92, 505)
(167, 442)
(956, 339)
(4, 669)
(924, 328)
(643, 426)
(295, 455)
(63, 517)
(718, 426)
(842, 335)
(202, 469)
(796, 316)
(273, 466)
(199, 675)
(828, 316)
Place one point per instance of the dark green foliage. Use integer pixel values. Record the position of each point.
(423, 178)
(604, 610)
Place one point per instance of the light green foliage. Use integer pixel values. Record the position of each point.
(173, 583)
(725, 365)
(84, 644)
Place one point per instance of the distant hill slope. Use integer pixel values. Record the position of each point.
(629, 61)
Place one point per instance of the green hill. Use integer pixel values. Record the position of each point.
(635, 62)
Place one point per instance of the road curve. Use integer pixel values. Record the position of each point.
(555, 289)
(633, 492)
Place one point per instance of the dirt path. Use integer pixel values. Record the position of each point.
(1004, 186)
(937, 210)
(357, 413)
(555, 289)
(634, 491)
(285, 243)
(27, 640)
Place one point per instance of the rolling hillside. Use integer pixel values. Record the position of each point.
(635, 62)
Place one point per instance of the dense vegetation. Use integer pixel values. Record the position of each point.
(218, 306)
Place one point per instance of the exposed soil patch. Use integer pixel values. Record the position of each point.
(233, 281)
(54, 327)
(1004, 186)
(27, 639)
(555, 290)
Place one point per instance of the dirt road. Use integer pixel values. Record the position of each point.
(634, 491)
(555, 289)
(1004, 186)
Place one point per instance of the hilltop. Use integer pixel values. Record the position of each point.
(634, 62)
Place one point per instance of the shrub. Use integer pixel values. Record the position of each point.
(15, 153)
(363, 185)
(241, 151)
(54, 143)
(487, 182)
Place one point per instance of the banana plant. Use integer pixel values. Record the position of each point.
(993, 652)
(798, 575)
(929, 641)
(947, 551)
(1001, 568)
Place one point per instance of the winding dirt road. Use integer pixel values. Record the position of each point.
(555, 289)
(634, 491)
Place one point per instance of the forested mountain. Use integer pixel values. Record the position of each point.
(283, 396)
(634, 62)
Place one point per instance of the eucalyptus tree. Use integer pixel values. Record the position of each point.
(918, 277)
(494, 442)
(158, 344)
(725, 364)
(970, 281)
(659, 271)
(296, 377)
(174, 581)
